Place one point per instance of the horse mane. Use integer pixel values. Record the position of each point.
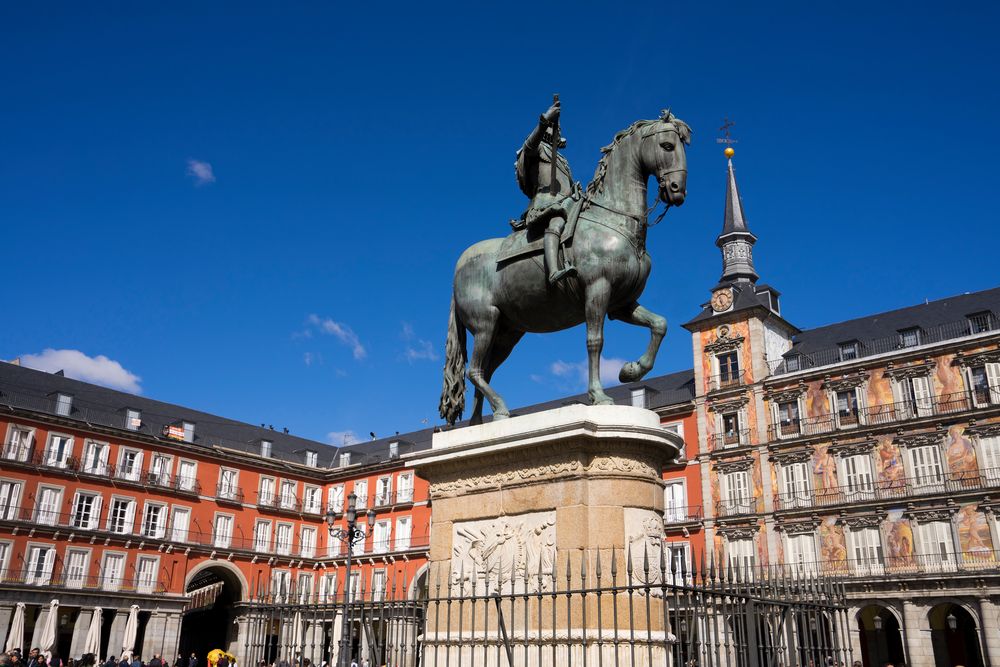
(597, 184)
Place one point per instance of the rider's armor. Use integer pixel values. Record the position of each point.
(549, 203)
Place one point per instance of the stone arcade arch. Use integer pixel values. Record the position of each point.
(955, 636)
(209, 620)
(881, 636)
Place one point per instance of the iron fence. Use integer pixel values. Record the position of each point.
(607, 608)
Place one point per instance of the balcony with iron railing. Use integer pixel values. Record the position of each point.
(728, 380)
(732, 439)
(736, 507)
(108, 583)
(947, 562)
(893, 343)
(948, 483)
(677, 517)
(883, 414)
(228, 493)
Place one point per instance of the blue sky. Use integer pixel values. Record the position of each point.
(254, 209)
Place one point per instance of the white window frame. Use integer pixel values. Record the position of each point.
(267, 497)
(328, 586)
(280, 547)
(383, 490)
(404, 487)
(129, 515)
(860, 401)
(866, 550)
(312, 458)
(178, 534)
(304, 584)
(742, 432)
(64, 404)
(229, 482)
(379, 583)
(307, 542)
(6, 548)
(403, 534)
(39, 573)
(675, 504)
(355, 584)
(312, 499)
(988, 450)
(134, 474)
(163, 518)
(361, 491)
(382, 536)
(162, 476)
(362, 546)
(262, 538)
(674, 427)
(287, 492)
(94, 520)
(796, 484)
(741, 555)
(73, 578)
(146, 580)
(735, 377)
(98, 465)
(335, 498)
(856, 483)
(133, 419)
(992, 372)
(187, 482)
(221, 539)
(638, 398)
(801, 553)
(779, 422)
(54, 460)
(925, 465)
(111, 580)
(914, 396)
(937, 546)
(732, 499)
(333, 546)
(18, 442)
(281, 584)
(10, 500)
(677, 571)
(48, 514)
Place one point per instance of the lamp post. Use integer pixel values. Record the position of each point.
(348, 536)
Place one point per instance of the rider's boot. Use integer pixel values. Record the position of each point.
(551, 247)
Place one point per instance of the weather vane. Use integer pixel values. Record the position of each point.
(726, 138)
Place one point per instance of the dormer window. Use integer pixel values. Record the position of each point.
(345, 459)
(980, 322)
(265, 448)
(849, 350)
(393, 450)
(909, 337)
(639, 397)
(188, 431)
(133, 419)
(312, 458)
(64, 404)
(793, 363)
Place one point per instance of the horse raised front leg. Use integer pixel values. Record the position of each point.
(595, 310)
(657, 325)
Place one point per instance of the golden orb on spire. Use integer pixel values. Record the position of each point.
(729, 152)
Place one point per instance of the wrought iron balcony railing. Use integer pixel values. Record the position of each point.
(228, 493)
(731, 439)
(108, 582)
(905, 487)
(728, 380)
(895, 566)
(682, 515)
(737, 507)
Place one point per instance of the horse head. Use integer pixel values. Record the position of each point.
(662, 154)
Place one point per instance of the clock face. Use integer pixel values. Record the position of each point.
(722, 300)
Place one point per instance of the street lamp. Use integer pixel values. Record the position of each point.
(878, 622)
(952, 621)
(349, 536)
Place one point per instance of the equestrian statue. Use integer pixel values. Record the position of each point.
(575, 256)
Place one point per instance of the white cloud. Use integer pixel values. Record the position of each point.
(577, 373)
(338, 330)
(201, 172)
(417, 349)
(308, 358)
(342, 438)
(75, 364)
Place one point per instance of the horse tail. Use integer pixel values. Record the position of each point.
(453, 390)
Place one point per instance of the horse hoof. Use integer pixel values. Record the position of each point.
(630, 372)
(601, 399)
(500, 415)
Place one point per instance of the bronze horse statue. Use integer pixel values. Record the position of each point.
(499, 301)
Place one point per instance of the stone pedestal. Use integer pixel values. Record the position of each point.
(529, 505)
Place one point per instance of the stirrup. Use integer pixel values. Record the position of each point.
(567, 270)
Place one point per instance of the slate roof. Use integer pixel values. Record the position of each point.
(32, 389)
(734, 219)
(937, 320)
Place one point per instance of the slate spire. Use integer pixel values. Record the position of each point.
(736, 240)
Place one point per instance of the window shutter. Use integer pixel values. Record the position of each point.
(95, 513)
(922, 395)
(993, 381)
(130, 517)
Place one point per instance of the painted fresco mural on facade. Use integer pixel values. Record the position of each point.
(898, 539)
(947, 376)
(832, 543)
(974, 533)
(889, 469)
(961, 456)
(756, 482)
(761, 539)
(824, 469)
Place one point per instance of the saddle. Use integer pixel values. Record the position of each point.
(528, 240)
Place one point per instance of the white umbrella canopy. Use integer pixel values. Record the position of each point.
(93, 641)
(131, 630)
(15, 638)
(47, 641)
(297, 633)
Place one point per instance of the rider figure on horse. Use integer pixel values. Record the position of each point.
(550, 197)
